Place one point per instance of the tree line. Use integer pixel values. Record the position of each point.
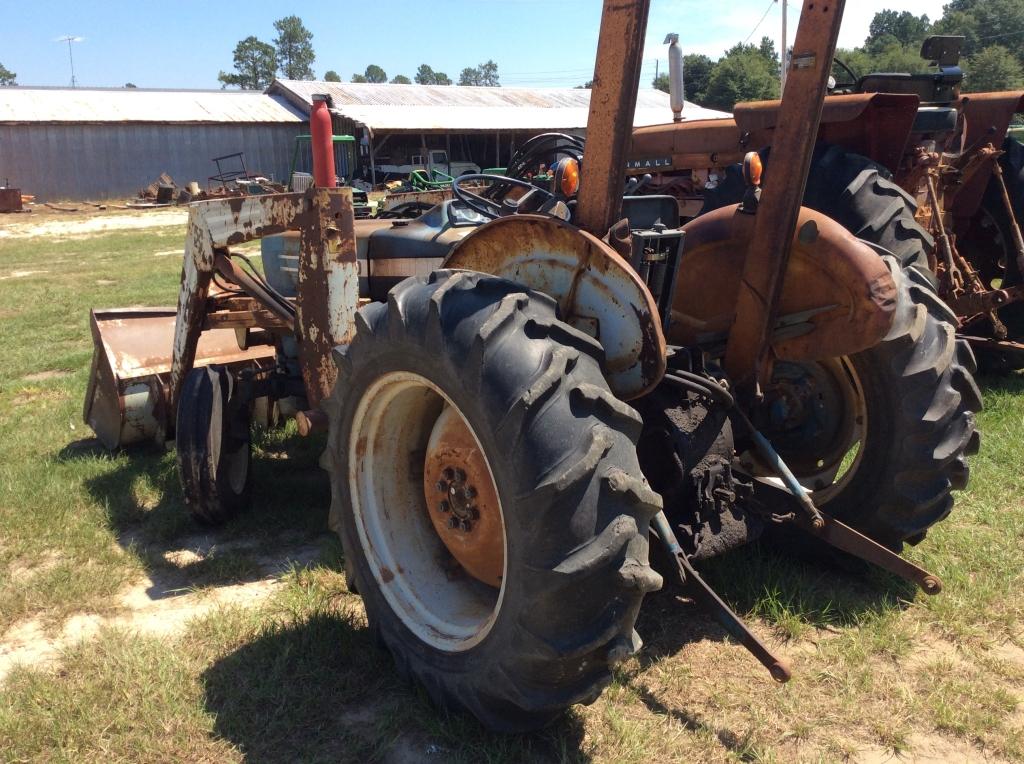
(992, 55)
(484, 75)
(258, 62)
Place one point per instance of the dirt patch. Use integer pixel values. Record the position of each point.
(93, 225)
(19, 274)
(22, 569)
(162, 603)
(1010, 653)
(42, 376)
(105, 282)
(34, 396)
(29, 643)
(927, 749)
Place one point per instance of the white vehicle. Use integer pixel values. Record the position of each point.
(435, 159)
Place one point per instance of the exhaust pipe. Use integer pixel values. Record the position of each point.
(675, 76)
(322, 137)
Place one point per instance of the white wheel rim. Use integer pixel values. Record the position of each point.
(390, 430)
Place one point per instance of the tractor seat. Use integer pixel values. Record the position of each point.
(932, 88)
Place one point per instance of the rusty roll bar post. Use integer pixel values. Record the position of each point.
(620, 46)
(792, 148)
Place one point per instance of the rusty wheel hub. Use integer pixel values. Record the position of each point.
(462, 499)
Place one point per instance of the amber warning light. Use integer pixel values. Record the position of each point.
(567, 176)
(752, 169)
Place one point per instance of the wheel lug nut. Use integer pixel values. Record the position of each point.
(466, 525)
(469, 492)
(444, 506)
(448, 473)
(453, 522)
(460, 475)
(475, 513)
(442, 486)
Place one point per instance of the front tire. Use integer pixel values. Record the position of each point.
(561, 452)
(213, 447)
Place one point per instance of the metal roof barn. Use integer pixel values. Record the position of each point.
(84, 143)
(454, 108)
(20, 105)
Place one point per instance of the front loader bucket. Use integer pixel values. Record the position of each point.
(126, 401)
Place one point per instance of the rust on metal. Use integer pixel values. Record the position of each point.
(620, 48)
(462, 500)
(843, 537)
(986, 120)
(311, 421)
(328, 291)
(792, 147)
(328, 271)
(837, 295)
(597, 290)
(1015, 234)
(126, 400)
(875, 125)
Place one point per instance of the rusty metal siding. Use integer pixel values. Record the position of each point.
(113, 161)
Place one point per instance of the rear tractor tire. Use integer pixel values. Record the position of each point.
(880, 437)
(488, 496)
(214, 447)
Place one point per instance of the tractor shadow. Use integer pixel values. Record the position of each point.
(1000, 383)
(321, 689)
(139, 489)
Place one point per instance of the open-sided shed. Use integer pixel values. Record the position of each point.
(478, 124)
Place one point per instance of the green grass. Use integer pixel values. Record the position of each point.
(297, 676)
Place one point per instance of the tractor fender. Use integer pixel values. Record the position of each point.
(597, 291)
(838, 296)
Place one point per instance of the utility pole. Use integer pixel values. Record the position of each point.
(785, 50)
(70, 39)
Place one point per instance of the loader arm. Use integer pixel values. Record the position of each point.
(746, 357)
(328, 293)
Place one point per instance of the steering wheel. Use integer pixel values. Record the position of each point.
(852, 84)
(532, 201)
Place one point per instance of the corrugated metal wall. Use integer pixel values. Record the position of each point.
(112, 161)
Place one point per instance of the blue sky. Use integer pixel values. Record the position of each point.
(185, 43)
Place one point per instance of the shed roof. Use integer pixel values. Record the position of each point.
(423, 108)
(97, 105)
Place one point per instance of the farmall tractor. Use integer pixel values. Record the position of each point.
(527, 385)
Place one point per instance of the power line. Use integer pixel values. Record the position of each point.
(1004, 34)
(760, 22)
